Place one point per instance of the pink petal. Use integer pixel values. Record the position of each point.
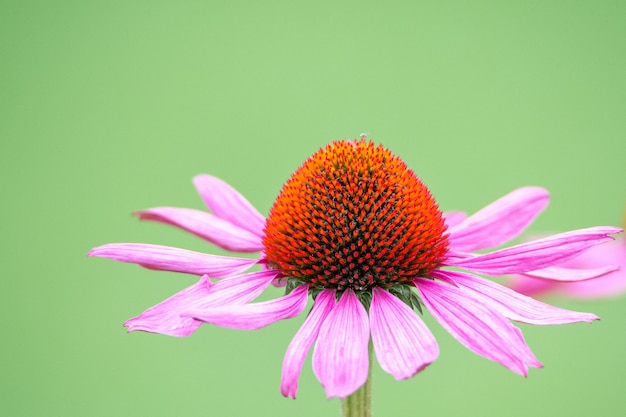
(404, 346)
(452, 218)
(302, 341)
(228, 204)
(510, 304)
(481, 330)
(166, 258)
(500, 221)
(555, 273)
(218, 231)
(240, 289)
(524, 351)
(608, 285)
(538, 254)
(254, 316)
(340, 357)
(165, 317)
(529, 286)
(452, 257)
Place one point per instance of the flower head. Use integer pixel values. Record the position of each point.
(354, 216)
(357, 230)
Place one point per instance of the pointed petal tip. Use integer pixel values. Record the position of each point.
(180, 332)
(130, 327)
(103, 251)
(289, 392)
(149, 214)
(587, 317)
(141, 214)
(524, 371)
(607, 230)
(100, 250)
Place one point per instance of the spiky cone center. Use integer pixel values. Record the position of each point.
(354, 216)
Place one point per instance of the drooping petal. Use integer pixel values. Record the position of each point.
(555, 273)
(207, 226)
(166, 258)
(302, 342)
(452, 218)
(256, 315)
(228, 204)
(538, 254)
(340, 357)
(510, 304)
(483, 331)
(610, 285)
(500, 221)
(165, 317)
(594, 260)
(403, 344)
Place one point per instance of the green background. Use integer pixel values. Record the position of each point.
(110, 107)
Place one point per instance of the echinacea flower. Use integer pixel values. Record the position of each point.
(610, 283)
(357, 230)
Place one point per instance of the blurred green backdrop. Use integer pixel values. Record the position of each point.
(107, 107)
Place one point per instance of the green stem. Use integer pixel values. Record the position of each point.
(359, 403)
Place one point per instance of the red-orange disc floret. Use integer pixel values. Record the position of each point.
(354, 216)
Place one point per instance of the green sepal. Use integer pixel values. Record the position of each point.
(292, 284)
(416, 303)
(406, 293)
(315, 291)
(365, 297)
